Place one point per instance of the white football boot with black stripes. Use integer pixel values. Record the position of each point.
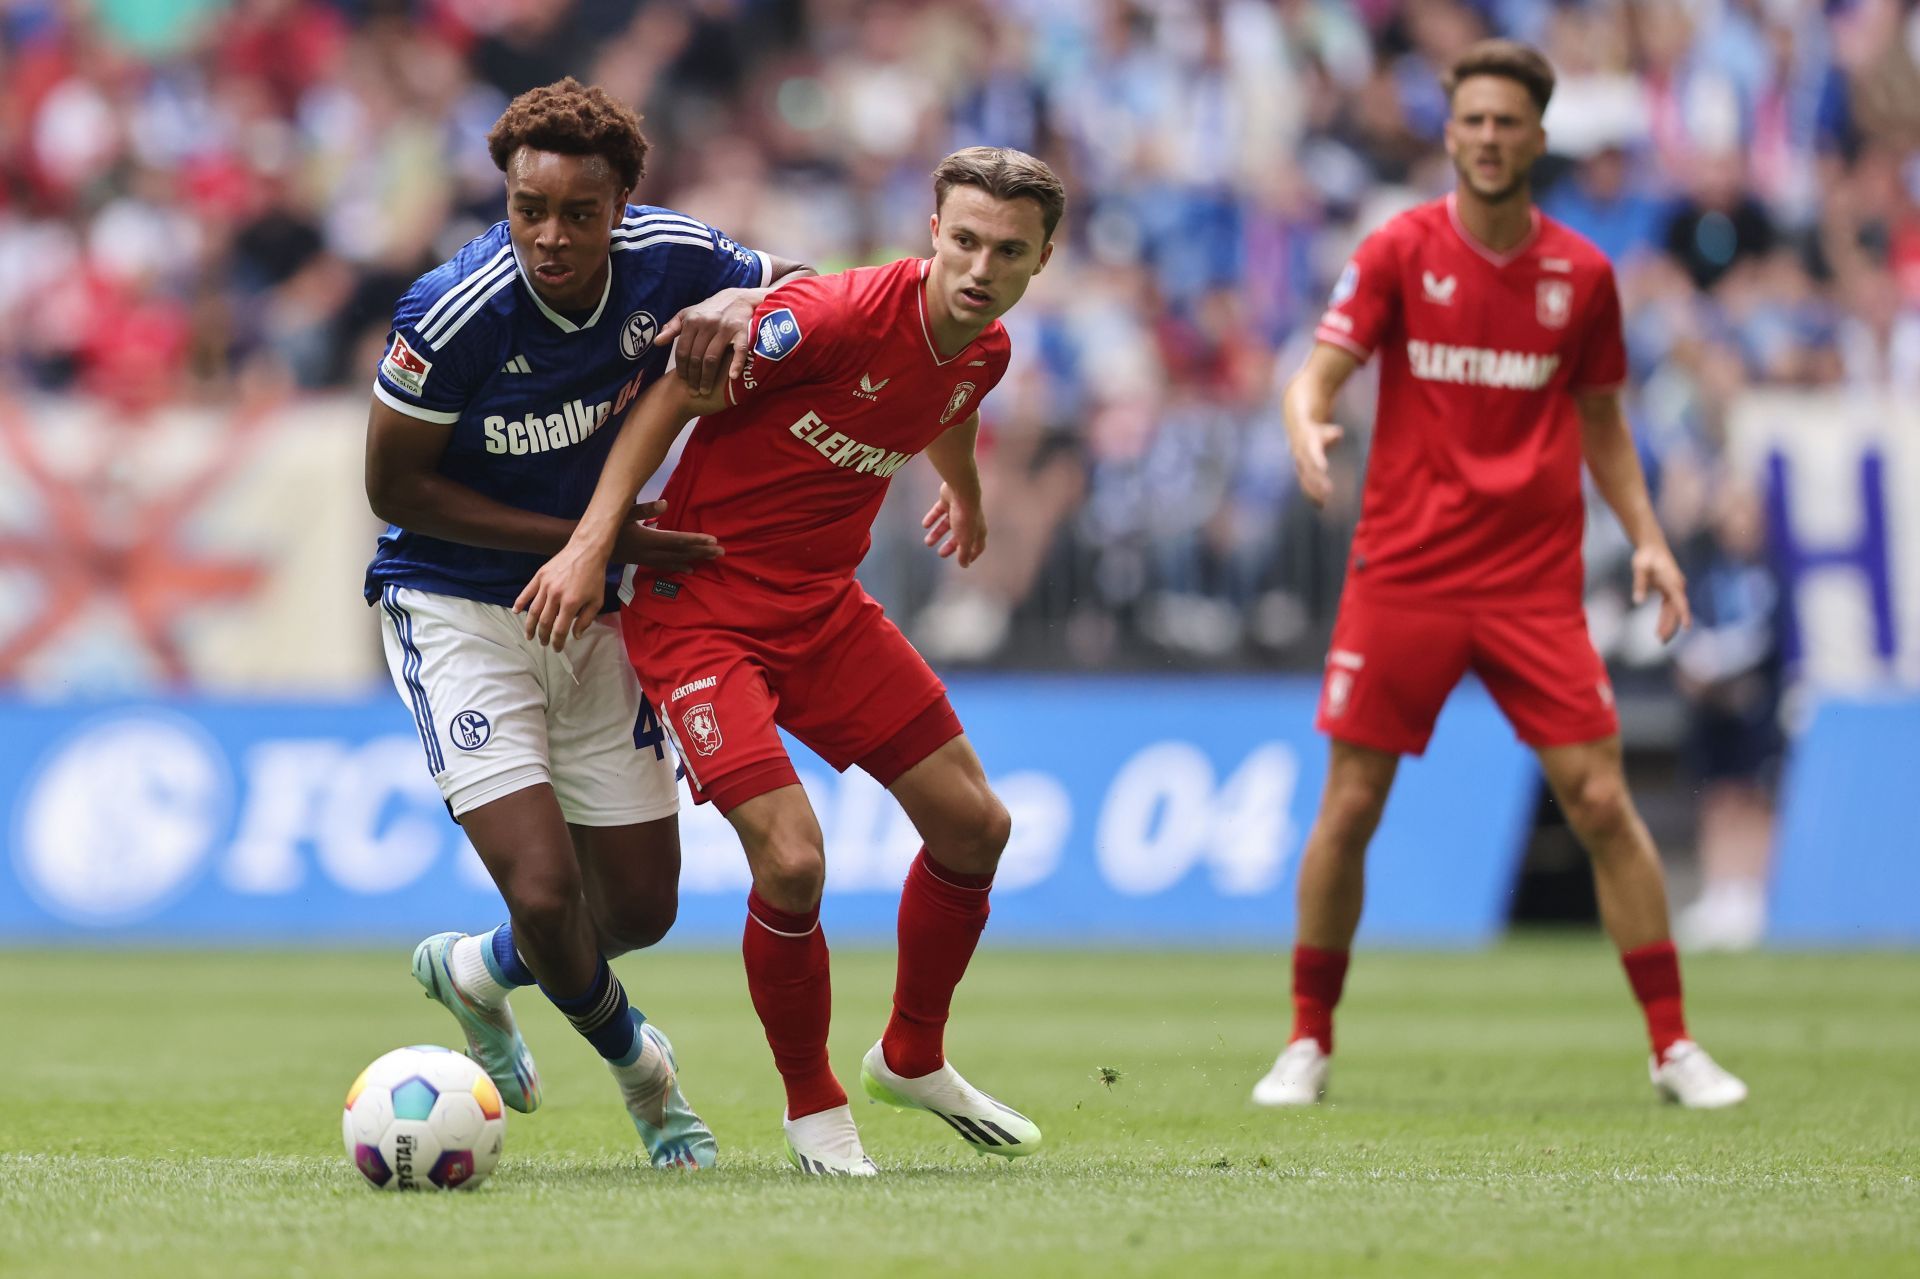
(983, 1123)
(826, 1144)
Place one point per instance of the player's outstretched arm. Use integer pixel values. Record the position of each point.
(566, 594)
(1307, 409)
(958, 516)
(1606, 441)
(405, 488)
(710, 338)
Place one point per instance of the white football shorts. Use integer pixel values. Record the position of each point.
(498, 712)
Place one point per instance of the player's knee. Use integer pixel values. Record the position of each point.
(543, 903)
(1352, 810)
(988, 829)
(791, 876)
(1598, 807)
(971, 837)
(635, 925)
(996, 825)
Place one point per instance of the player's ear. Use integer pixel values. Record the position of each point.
(619, 213)
(933, 228)
(1046, 255)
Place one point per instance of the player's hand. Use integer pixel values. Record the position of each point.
(1654, 569)
(962, 524)
(710, 338)
(564, 597)
(660, 549)
(1309, 445)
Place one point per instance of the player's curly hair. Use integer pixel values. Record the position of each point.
(572, 119)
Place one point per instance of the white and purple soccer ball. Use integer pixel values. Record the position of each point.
(424, 1118)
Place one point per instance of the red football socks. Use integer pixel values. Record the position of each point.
(1654, 972)
(1318, 976)
(942, 913)
(792, 990)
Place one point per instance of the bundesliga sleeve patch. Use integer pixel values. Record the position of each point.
(778, 335)
(405, 368)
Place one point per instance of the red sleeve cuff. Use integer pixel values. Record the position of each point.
(1333, 337)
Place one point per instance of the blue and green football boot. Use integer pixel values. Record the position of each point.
(493, 1037)
(675, 1137)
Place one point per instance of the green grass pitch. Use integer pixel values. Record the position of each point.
(178, 1114)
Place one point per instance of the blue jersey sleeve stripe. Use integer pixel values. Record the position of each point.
(487, 285)
(447, 331)
(766, 268)
(392, 401)
(468, 282)
(680, 234)
(664, 224)
(649, 241)
(703, 234)
(663, 218)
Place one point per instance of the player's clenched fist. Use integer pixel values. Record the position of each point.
(564, 597)
(960, 522)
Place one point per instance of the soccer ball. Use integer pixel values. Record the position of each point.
(424, 1118)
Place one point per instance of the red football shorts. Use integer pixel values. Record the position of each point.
(1391, 667)
(848, 684)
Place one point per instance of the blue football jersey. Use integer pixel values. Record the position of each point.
(533, 395)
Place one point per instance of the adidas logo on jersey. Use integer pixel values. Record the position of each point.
(1478, 366)
(518, 364)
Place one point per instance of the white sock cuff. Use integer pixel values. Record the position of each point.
(780, 932)
(471, 976)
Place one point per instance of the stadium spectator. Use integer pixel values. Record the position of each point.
(1728, 668)
(303, 159)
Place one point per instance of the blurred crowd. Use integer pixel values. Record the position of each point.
(211, 198)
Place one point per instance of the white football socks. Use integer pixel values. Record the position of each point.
(471, 975)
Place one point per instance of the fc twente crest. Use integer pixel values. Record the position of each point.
(703, 727)
(1553, 303)
(956, 401)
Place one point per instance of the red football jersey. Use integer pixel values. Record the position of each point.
(841, 389)
(1473, 484)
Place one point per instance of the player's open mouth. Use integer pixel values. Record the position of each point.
(976, 298)
(552, 272)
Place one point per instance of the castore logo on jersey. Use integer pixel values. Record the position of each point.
(1438, 290)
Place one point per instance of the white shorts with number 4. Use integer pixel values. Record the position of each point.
(497, 712)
